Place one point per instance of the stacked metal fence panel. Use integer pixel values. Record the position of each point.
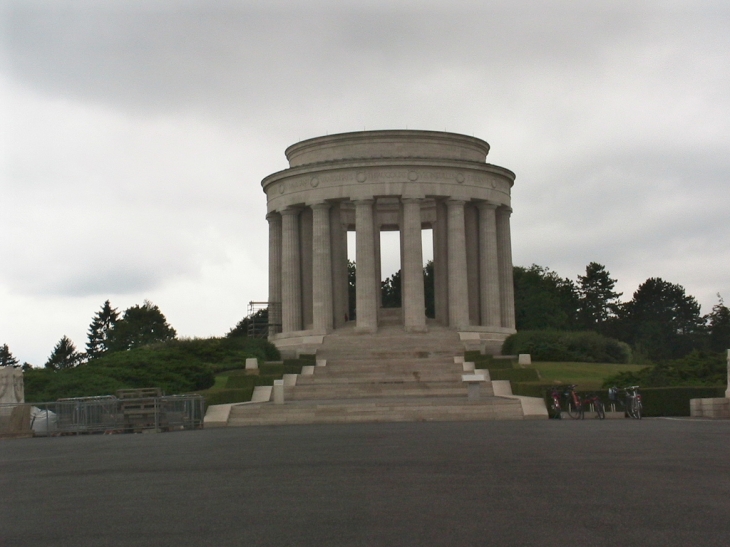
(106, 414)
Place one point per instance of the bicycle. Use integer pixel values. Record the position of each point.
(576, 405)
(631, 400)
(556, 410)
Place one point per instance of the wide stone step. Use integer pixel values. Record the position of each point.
(371, 390)
(386, 410)
(355, 368)
(331, 377)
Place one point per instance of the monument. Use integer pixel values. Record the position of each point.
(387, 364)
(393, 180)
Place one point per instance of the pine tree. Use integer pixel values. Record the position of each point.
(64, 355)
(140, 326)
(101, 326)
(6, 358)
(597, 299)
(718, 325)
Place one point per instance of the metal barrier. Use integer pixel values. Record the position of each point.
(108, 414)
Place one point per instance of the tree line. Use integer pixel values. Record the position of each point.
(109, 332)
(661, 321)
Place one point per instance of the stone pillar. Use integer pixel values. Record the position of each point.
(506, 283)
(305, 234)
(471, 230)
(440, 265)
(366, 312)
(274, 271)
(727, 391)
(322, 268)
(412, 292)
(338, 233)
(458, 295)
(489, 266)
(291, 280)
(378, 266)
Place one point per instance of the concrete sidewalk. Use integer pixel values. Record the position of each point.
(623, 482)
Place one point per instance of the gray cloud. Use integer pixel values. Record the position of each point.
(136, 134)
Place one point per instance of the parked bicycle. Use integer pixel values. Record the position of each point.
(629, 398)
(556, 409)
(575, 405)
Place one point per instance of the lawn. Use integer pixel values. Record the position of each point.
(588, 376)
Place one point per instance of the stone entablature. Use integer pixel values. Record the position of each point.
(410, 178)
(376, 181)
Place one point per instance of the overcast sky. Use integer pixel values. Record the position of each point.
(134, 136)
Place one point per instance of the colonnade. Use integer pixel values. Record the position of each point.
(473, 285)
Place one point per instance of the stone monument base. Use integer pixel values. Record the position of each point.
(716, 408)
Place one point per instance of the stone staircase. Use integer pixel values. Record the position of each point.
(387, 377)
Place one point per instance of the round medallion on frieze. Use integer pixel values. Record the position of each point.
(281, 188)
(361, 176)
(493, 183)
(314, 182)
(459, 177)
(412, 176)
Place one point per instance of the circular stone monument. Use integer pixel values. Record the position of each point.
(397, 180)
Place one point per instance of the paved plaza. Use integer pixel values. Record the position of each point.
(652, 482)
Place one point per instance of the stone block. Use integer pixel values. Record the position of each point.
(524, 359)
(290, 380)
(278, 392)
(252, 363)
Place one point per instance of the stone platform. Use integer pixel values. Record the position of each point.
(390, 376)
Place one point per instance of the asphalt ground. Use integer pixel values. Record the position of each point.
(569, 483)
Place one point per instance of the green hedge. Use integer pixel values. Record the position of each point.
(657, 401)
(227, 396)
(557, 346)
(487, 361)
(674, 401)
(532, 389)
(514, 374)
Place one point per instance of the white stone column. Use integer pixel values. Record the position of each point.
(506, 283)
(458, 295)
(378, 266)
(489, 266)
(471, 222)
(305, 235)
(274, 271)
(414, 306)
(440, 264)
(338, 235)
(291, 280)
(322, 268)
(366, 312)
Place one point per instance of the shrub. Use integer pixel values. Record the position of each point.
(699, 368)
(674, 401)
(586, 347)
(487, 361)
(226, 396)
(514, 374)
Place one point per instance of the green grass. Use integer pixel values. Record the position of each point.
(588, 376)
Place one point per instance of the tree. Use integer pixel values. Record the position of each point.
(351, 289)
(718, 325)
(597, 301)
(100, 329)
(661, 320)
(257, 322)
(544, 300)
(6, 358)
(391, 291)
(64, 355)
(140, 325)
